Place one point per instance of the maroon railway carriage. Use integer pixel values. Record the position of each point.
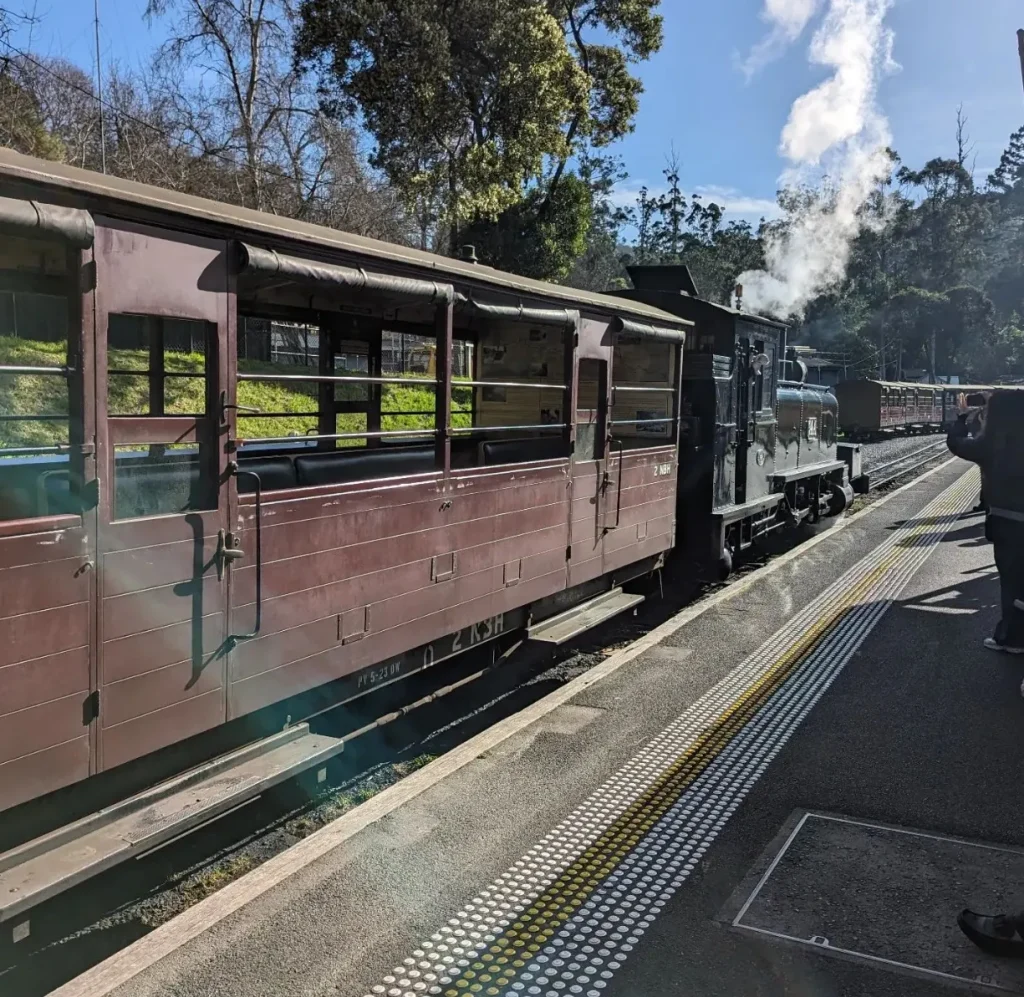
(225, 496)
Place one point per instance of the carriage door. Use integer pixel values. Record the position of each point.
(595, 467)
(161, 335)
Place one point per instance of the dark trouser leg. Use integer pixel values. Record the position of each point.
(1010, 564)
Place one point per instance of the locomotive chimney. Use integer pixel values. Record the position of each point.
(669, 278)
(739, 297)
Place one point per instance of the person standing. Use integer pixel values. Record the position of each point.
(998, 451)
(975, 426)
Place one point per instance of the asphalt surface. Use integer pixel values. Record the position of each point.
(920, 729)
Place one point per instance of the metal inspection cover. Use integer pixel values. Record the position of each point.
(883, 895)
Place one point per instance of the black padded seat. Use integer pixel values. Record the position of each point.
(359, 465)
(522, 451)
(275, 473)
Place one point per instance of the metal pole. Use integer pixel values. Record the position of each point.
(99, 88)
(1020, 51)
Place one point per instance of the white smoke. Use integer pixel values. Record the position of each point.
(836, 129)
(788, 19)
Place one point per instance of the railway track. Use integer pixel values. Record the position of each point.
(388, 734)
(885, 474)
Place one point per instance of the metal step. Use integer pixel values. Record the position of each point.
(558, 629)
(48, 865)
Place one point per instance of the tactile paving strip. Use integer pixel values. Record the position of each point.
(569, 912)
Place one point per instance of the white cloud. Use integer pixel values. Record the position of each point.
(735, 203)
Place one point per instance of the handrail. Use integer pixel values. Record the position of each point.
(506, 429)
(238, 472)
(506, 384)
(376, 434)
(17, 369)
(37, 417)
(25, 451)
(638, 422)
(618, 498)
(635, 388)
(339, 379)
(146, 372)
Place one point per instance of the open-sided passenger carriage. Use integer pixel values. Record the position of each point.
(205, 530)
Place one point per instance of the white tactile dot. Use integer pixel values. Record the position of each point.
(654, 853)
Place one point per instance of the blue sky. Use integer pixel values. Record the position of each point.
(725, 129)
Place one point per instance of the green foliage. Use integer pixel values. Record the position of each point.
(1010, 171)
(129, 394)
(600, 267)
(467, 102)
(675, 229)
(21, 120)
(540, 236)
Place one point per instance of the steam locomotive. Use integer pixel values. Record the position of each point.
(758, 450)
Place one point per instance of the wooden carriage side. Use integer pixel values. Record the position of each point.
(180, 560)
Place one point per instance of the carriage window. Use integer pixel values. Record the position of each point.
(158, 479)
(35, 401)
(156, 366)
(513, 409)
(644, 394)
(334, 401)
(286, 404)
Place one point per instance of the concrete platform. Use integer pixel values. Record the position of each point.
(588, 847)
(840, 886)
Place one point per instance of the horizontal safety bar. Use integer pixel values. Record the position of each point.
(505, 384)
(14, 369)
(48, 417)
(148, 373)
(330, 379)
(506, 429)
(20, 451)
(256, 414)
(638, 422)
(376, 434)
(626, 387)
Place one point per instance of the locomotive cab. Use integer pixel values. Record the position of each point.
(757, 447)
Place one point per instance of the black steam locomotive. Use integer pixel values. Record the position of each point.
(758, 449)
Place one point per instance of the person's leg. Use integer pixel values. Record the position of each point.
(1009, 633)
(1011, 582)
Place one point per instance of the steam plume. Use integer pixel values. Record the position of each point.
(836, 129)
(787, 18)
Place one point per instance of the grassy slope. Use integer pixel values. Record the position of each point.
(41, 394)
